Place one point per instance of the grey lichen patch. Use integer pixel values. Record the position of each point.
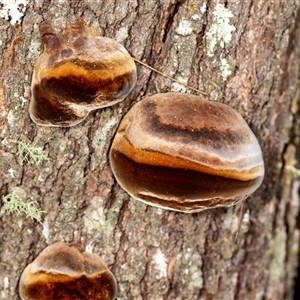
(277, 266)
(185, 51)
(181, 55)
(227, 248)
(101, 136)
(4, 294)
(179, 88)
(122, 34)
(231, 221)
(220, 32)
(12, 173)
(102, 132)
(203, 7)
(160, 264)
(46, 231)
(34, 46)
(11, 118)
(64, 151)
(226, 68)
(11, 170)
(184, 28)
(245, 222)
(13, 11)
(150, 235)
(184, 46)
(58, 12)
(157, 273)
(98, 219)
(192, 274)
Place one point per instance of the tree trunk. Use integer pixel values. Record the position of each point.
(242, 53)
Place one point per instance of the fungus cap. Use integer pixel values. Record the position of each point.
(78, 72)
(184, 153)
(62, 271)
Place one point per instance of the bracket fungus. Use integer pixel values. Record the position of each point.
(62, 271)
(78, 72)
(184, 153)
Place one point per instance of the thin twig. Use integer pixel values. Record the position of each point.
(169, 77)
(163, 74)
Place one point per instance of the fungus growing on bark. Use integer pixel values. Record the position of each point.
(78, 72)
(184, 153)
(62, 271)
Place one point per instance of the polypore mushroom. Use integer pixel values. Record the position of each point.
(78, 72)
(62, 271)
(184, 153)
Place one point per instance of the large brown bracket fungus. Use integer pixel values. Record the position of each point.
(78, 72)
(183, 153)
(63, 272)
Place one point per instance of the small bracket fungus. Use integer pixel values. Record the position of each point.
(62, 271)
(78, 72)
(181, 152)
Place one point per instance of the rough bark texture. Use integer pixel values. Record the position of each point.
(155, 254)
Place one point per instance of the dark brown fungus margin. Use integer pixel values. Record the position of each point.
(184, 153)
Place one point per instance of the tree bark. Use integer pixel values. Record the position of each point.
(242, 53)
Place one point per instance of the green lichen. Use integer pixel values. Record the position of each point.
(15, 205)
(294, 170)
(30, 153)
